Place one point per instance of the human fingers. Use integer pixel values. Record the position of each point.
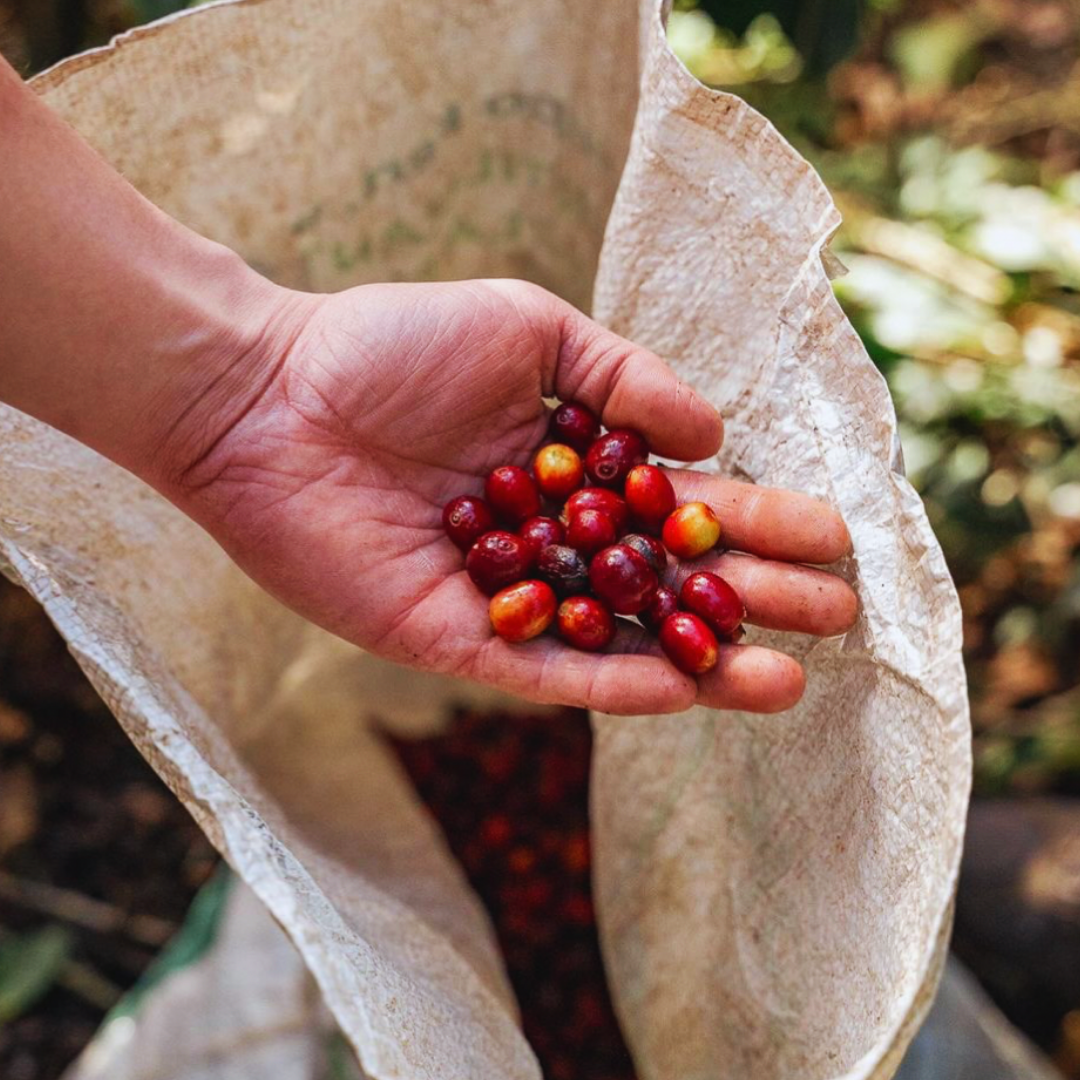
(545, 670)
(623, 383)
(750, 678)
(767, 522)
(781, 595)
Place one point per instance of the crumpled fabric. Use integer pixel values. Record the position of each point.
(774, 892)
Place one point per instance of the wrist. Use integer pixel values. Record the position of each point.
(122, 328)
(227, 342)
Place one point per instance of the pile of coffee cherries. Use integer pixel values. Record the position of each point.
(600, 557)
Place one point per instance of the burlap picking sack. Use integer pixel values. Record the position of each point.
(774, 892)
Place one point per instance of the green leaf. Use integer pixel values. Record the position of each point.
(824, 31)
(933, 54)
(145, 11)
(341, 1063)
(29, 965)
(193, 940)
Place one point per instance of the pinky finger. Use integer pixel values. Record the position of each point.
(751, 678)
(547, 671)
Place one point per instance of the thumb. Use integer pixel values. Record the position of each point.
(624, 384)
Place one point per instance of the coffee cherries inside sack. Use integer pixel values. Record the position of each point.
(585, 536)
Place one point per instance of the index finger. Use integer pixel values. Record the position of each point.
(767, 522)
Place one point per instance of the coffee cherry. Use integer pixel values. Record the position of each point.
(522, 611)
(498, 559)
(714, 600)
(564, 569)
(688, 643)
(466, 519)
(649, 494)
(623, 579)
(613, 455)
(590, 531)
(558, 471)
(574, 425)
(664, 603)
(691, 530)
(512, 493)
(542, 532)
(585, 623)
(594, 498)
(650, 547)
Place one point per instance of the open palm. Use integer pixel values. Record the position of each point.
(382, 403)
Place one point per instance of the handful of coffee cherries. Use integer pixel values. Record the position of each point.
(601, 556)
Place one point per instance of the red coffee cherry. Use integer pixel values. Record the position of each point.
(558, 470)
(664, 603)
(623, 579)
(585, 623)
(691, 530)
(649, 494)
(650, 547)
(512, 493)
(594, 498)
(541, 532)
(590, 531)
(711, 597)
(522, 611)
(466, 519)
(564, 569)
(574, 425)
(498, 559)
(613, 455)
(688, 643)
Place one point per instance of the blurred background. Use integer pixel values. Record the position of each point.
(949, 134)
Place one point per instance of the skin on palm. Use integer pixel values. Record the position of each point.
(391, 400)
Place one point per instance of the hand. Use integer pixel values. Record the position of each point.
(376, 406)
(317, 438)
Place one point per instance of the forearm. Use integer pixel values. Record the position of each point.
(117, 324)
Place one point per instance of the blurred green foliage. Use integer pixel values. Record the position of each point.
(822, 32)
(194, 939)
(29, 966)
(964, 283)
